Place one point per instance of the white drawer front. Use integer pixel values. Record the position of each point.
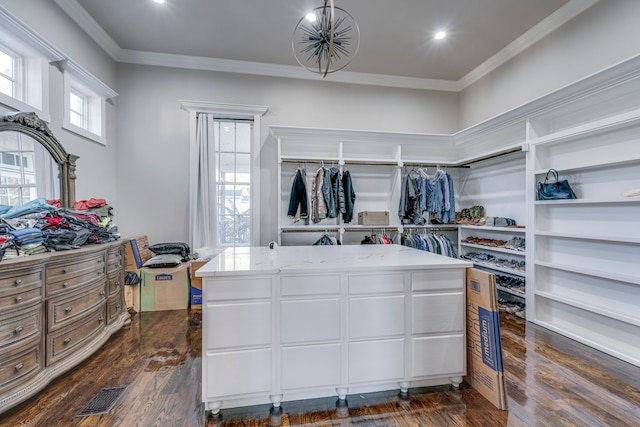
(437, 313)
(437, 279)
(311, 366)
(238, 372)
(372, 317)
(221, 290)
(438, 356)
(376, 283)
(324, 284)
(238, 325)
(376, 360)
(310, 320)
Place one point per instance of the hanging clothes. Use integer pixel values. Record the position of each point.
(298, 202)
(425, 198)
(318, 204)
(349, 197)
(434, 243)
(377, 239)
(327, 240)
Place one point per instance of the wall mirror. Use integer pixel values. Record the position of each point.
(33, 163)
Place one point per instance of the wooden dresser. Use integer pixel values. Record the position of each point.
(56, 309)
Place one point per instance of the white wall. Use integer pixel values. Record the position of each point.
(603, 35)
(153, 133)
(96, 168)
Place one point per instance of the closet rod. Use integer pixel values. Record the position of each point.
(310, 230)
(423, 228)
(382, 228)
(490, 156)
(435, 165)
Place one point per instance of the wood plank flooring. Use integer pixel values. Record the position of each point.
(551, 381)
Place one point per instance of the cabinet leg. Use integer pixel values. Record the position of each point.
(342, 393)
(275, 400)
(404, 388)
(456, 381)
(214, 407)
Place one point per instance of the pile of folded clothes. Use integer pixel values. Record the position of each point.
(42, 226)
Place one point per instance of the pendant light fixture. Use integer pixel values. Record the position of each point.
(326, 39)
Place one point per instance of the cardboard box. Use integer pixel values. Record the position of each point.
(485, 371)
(164, 288)
(373, 218)
(132, 296)
(136, 253)
(196, 285)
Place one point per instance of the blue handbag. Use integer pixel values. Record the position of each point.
(558, 190)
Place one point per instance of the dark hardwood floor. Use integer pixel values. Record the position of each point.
(551, 381)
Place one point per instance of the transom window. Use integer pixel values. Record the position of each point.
(233, 142)
(8, 65)
(78, 103)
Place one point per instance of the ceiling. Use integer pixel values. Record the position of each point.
(396, 37)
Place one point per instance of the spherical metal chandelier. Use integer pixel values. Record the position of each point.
(326, 39)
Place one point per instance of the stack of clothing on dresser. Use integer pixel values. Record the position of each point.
(332, 194)
(427, 199)
(42, 226)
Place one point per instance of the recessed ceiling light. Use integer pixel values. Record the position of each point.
(159, 1)
(311, 17)
(440, 35)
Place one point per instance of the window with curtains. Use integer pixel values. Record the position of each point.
(233, 186)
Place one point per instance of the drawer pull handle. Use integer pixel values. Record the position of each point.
(102, 293)
(19, 299)
(65, 285)
(117, 306)
(19, 367)
(68, 309)
(101, 319)
(18, 282)
(99, 261)
(67, 340)
(19, 329)
(117, 283)
(65, 270)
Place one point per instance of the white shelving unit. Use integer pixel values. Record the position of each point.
(376, 162)
(584, 268)
(496, 233)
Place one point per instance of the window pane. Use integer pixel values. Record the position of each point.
(9, 141)
(76, 103)
(6, 64)
(243, 167)
(243, 229)
(227, 137)
(243, 199)
(226, 172)
(6, 86)
(75, 119)
(28, 194)
(226, 230)
(243, 137)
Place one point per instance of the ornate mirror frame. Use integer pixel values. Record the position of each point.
(30, 124)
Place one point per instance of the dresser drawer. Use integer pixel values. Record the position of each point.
(69, 276)
(114, 308)
(68, 340)
(65, 309)
(20, 363)
(20, 299)
(115, 260)
(114, 284)
(19, 325)
(16, 282)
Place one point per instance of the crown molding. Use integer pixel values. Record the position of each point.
(545, 27)
(90, 26)
(284, 71)
(542, 29)
(18, 30)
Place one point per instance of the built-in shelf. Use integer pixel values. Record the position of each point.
(511, 291)
(589, 272)
(591, 308)
(619, 239)
(493, 248)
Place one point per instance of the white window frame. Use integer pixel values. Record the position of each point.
(96, 95)
(235, 111)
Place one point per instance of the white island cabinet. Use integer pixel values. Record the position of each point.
(302, 322)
